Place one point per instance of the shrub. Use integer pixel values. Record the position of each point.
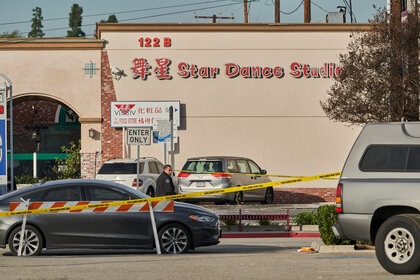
(264, 222)
(326, 218)
(306, 218)
(26, 179)
(229, 224)
(70, 166)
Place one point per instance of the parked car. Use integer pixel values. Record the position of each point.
(124, 171)
(378, 194)
(219, 172)
(188, 227)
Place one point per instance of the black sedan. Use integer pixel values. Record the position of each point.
(187, 227)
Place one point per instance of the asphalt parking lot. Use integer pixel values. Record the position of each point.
(233, 258)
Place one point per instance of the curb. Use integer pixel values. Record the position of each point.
(270, 234)
(330, 249)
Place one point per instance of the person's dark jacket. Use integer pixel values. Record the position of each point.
(164, 185)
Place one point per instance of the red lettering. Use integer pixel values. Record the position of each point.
(338, 71)
(140, 68)
(162, 70)
(232, 70)
(193, 71)
(186, 71)
(328, 70)
(278, 72)
(147, 42)
(245, 72)
(183, 70)
(306, 70)
(156, 42)
(267, 72)
(167, 42)
(295, 68)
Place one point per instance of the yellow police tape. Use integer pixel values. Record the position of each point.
(171, 197)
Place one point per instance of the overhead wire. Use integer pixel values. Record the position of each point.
(318, 6)
(122, 12)
(136, 18)
(352, 16)
(295, 10)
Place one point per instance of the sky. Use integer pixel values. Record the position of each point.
(17, 14)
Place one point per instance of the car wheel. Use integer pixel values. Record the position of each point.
(32, 241)
(397, 244)
(150, 192)
(269, 196)
(174, 239)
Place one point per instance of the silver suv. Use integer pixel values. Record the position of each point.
(218, 172)
(378, 194)
(124, 171)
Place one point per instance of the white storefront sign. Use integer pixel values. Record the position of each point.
(143, 113)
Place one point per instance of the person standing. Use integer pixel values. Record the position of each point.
(164, 183)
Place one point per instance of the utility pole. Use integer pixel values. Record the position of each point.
(246, 11)
(277, 11)
(396, 10)
(214, 17)
(395, 61)
(307, 11)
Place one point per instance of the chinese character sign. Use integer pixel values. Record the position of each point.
(142, 113)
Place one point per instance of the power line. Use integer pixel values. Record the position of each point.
(350, 8)
(319, 6)
(300, 5)
(294, 11)
(113, 13)
(137, 18)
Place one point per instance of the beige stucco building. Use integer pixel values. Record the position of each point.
(249, 90)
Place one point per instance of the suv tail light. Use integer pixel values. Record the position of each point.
(183, 174)
(221, 175)
(134, 184)
(339, 199)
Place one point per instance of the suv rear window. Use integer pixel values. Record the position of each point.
(203, 166)
(120, 168)
(391, 158)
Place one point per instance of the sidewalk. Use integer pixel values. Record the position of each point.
(267, 232)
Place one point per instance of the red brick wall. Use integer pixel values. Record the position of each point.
(111, 137)
(23, 113)
(303, 195)
(90, 164)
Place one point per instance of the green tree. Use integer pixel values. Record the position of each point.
(14, 34)
(75, 22)
(111, 18)
(380, 77)
(37, 26)
(69, 167)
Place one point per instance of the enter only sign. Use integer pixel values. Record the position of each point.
(139, 135)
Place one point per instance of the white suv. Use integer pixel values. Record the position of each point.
(123, 171)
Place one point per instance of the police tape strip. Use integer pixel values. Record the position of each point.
(78, 207)
(253, 174)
